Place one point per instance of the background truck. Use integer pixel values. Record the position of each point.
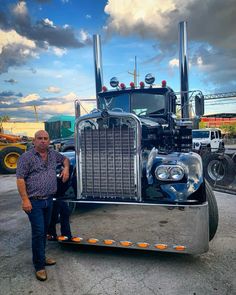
(139, 185)
(207, 139)
(11, 147)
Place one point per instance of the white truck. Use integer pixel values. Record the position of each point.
(208, 139)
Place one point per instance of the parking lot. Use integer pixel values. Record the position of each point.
(90, 271)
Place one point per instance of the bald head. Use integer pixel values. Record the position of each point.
(41, 141)
(41, 133)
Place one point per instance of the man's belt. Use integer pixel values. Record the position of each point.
(40, 197)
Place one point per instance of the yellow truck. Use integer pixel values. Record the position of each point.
(11, 147)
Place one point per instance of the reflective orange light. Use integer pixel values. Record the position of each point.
(62, 238)
(125, 243)
(143, 245)
(180, 248)
(108, 242)
(76, 239)
(161, 246)
(92, 241)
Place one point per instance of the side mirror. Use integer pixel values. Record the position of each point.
(199, 105)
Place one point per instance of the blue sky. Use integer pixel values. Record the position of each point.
(46, 55)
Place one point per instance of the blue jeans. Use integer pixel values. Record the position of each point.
(60, 212)
(39, 218)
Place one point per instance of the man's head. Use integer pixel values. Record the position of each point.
(41, 140)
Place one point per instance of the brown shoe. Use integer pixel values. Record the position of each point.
(41, 275)
(50, 261)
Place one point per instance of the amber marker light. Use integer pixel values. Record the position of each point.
(143, 245)
(92, 241)
(126, 243)
(161, 246)
(180, 248)
(62, 238)
(76, 239)
(108, 242)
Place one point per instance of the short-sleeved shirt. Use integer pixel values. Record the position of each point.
(39, 175)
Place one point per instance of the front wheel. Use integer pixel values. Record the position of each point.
(213, 211)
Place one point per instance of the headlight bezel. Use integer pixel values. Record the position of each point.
(165, 172)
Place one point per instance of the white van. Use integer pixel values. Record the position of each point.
(208, 139)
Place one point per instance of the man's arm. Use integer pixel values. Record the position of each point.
(65, 172)
(26, 204)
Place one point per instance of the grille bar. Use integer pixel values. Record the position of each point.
(108, 157)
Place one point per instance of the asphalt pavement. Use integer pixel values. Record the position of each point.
(93, 271)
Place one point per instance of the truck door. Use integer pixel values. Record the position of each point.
(214, 141)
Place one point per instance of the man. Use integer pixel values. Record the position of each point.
(37, 183)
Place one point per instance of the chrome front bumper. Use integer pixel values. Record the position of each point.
(143, 226)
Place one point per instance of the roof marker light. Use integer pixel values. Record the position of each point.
(142, 85)
(122, 86)
(132, 85)
(163, 83)
(104, 89)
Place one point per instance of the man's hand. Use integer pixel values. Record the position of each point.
(65, 174)
(26, 205)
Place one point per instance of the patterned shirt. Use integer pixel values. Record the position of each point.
(39, 175)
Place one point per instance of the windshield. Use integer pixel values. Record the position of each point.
(200, 134)
(145, 104)
(137, 103)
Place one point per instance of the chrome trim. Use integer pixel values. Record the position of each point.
(137, 164)
(185, 225)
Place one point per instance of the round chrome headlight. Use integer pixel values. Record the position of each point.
(162, 173)
(169, 172)
(176, 173)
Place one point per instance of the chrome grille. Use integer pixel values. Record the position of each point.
(108, 163)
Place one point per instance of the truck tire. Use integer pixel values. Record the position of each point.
(213, 211)
(218, 169)
(8, 159)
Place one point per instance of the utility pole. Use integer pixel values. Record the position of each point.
(36, 113)
(135, 71)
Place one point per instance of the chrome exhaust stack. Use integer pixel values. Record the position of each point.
(97, 51)
(183, 66)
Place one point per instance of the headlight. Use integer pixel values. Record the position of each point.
(169, 172)
(197, 143)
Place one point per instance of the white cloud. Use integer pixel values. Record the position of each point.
(12, 37)
(53, 89)
(84, 36)
(30, 97)
(49, 23)
(88, 16)
(59, 51)
(20, 8)
(174, 63)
